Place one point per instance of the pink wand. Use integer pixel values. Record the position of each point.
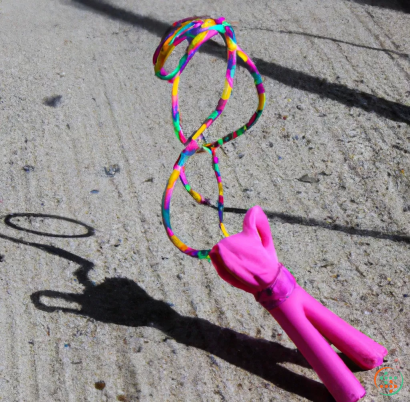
(248, 261)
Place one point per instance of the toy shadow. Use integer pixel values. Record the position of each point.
(121, 301)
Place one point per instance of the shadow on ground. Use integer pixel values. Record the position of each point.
(287, 76)
(299, 220)
(121, 301)
(399, 5)
(387, 51)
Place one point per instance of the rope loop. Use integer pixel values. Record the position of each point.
(196, 31)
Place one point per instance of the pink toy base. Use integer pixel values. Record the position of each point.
(249, 262)
(305, 320)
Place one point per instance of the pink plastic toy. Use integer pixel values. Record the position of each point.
(248, 261)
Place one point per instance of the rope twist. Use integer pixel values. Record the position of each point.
(196, 31)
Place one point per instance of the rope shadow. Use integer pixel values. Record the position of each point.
(121, 301)
(299, 220)
(287, 76)
(388, 51)
(398, 5)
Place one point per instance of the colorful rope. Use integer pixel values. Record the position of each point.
(196, 31)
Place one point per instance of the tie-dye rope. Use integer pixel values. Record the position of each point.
(196, 31)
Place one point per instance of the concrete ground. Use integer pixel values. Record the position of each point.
(100, 306)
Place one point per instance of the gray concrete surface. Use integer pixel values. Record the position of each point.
(122, 306)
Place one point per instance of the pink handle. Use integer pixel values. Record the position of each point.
(248, 261)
